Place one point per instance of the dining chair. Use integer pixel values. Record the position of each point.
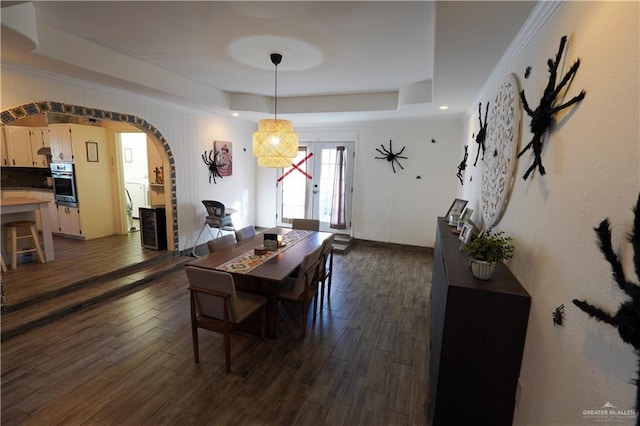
(218, 307)
(245, 233)
(307, 224)
(325, 268)
(301, 288)
(221, 242)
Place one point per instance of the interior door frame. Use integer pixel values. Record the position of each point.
(315, 147)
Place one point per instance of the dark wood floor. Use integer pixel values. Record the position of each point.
(129, 360)
(75, 260)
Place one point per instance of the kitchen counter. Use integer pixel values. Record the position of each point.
(27, 209)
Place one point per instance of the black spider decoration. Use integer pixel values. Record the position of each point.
(542, 116)
(390, 156)
(482, 133)
(627, 319)
(463, 165)
(210, 161)
(527, 72)
(558, 315)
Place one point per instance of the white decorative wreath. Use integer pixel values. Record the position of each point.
(501, 144)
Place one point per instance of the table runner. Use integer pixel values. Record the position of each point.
(248, 261)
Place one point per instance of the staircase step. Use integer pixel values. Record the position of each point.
(78, 296)
(342, 243)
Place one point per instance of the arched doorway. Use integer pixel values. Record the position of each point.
(10, 115)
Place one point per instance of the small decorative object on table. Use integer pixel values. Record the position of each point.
(259, 251)
(486, 250)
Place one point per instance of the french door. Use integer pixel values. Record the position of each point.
(308, 188)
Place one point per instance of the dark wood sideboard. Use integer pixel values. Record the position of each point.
(478, 331)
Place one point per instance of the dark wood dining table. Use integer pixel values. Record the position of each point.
(266, 277)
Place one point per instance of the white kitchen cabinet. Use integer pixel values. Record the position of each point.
(18, 141)
(69, 221)
(39, 137)
(60, 136)
(4, 159)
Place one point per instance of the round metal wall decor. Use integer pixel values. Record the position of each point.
(500, 155)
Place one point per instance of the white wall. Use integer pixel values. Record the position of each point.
(389, 207)
(188, 132)
(593, 171)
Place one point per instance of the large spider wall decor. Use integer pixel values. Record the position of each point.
(542, 116)
(482, 133)
(210, 162)
(463, 165)
(627, 319)
(390, 156)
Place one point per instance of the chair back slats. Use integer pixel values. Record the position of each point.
(306, 224)
(221, 242)
(245, 233)
(307, 272)
(211, 303)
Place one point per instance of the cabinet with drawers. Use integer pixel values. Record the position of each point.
(478, 331)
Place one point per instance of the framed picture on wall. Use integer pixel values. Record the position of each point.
(92, 151)
(224, 157)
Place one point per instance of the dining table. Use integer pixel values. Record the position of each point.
(264, 273)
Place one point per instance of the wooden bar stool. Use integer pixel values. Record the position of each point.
(13, 235)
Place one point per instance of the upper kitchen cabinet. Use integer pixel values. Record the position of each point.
(4, 159)
(61, 143)
(18, 140)
(40, 146)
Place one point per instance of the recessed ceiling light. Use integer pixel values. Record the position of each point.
(444, 107)
(235, 114)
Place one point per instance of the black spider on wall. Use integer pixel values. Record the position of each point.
(390, 156)
(482, 133)
(627, 319)
(463, 165)
(210, 161)
(542, 116)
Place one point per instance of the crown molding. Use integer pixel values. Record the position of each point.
(541, 13)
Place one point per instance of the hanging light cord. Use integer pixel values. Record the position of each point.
(275, 116)
(275, 60)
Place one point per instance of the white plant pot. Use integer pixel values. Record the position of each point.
(482, 270)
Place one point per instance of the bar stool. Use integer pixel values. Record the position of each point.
(13, 236)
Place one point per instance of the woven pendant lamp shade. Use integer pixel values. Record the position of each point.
(275, 138)
(277, 162)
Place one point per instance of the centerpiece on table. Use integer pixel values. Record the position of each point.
(487, 249)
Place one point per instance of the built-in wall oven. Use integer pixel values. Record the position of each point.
(64, 184)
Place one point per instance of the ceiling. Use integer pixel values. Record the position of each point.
(342, 60)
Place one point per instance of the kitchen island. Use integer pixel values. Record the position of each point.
(13, 209)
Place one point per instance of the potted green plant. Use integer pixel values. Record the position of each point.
(486, 250)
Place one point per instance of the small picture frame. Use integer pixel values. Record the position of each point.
(92, 151)
(456, 208)
(466, 215)
(466, 232)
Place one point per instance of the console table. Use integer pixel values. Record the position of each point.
(478, 331)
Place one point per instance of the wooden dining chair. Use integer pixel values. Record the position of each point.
(221, 242)
(307, 224)
(218, 307)
(245, 233)
(325, 268)
(301, 288)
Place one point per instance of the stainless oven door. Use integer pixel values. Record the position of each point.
(64, 185)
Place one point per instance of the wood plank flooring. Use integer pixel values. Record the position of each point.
(75, 261)
(129, 360)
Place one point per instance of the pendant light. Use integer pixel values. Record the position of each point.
(275, 144)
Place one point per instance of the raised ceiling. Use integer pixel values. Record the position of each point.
(342, 60)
